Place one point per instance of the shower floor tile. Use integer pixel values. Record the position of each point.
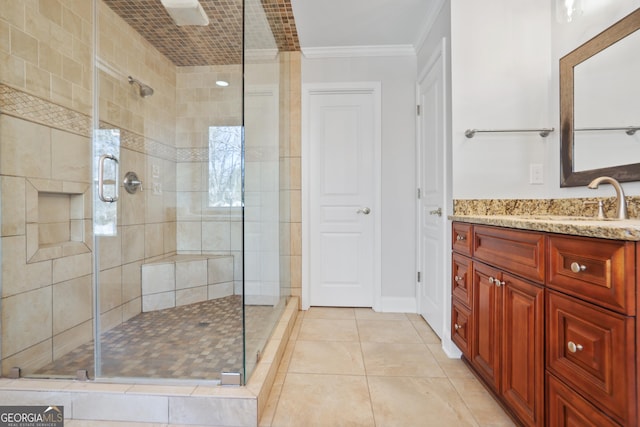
(196, 341)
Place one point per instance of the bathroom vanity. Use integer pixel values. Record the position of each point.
(544, 312)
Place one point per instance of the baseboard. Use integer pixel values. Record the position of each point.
(398, 305)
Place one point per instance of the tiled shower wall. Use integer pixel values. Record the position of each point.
(46, 68)
(202, 229)
(45, 105)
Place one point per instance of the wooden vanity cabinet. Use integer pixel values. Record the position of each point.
(507, 348)
(461, 309)
(461, 292)
(523, 349)
(589, 349)
(506, 324)
(591, 328)
(552, 325)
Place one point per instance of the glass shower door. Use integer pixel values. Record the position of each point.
(169, 283)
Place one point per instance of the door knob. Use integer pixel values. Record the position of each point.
(365, 211)
(436, 212)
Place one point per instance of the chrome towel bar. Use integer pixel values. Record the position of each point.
(629, 130)
(470, 133)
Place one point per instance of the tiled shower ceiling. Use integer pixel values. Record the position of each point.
(269, 24)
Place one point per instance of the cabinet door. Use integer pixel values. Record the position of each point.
(461, 327)
(597, 270)
(462, 238)
(517, 251)
(461, 280)
(566, 408)
(485, 347)
(592, 349)
(522, 369)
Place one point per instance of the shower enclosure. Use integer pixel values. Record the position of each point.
(145, 187)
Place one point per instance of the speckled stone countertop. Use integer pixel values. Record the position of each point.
(576, 226)
(564, 216)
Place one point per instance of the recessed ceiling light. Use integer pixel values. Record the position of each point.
(222, 83)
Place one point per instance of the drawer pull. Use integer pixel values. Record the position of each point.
(496, 282)
(577, 268)
(457, 327)
(457, 278)
(573, 347)
(460, 237)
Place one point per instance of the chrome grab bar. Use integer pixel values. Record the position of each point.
(104, 158)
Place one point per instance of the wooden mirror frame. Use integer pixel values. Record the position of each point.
(569, 177)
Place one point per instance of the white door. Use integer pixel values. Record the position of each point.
(432, 204)
(342, 132)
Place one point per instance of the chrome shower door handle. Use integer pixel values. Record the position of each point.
(364, 210)
(101, 195)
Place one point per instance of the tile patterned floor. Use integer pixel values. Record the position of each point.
(196, 341)
(355, 367)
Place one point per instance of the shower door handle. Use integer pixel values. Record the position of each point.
(103, 159)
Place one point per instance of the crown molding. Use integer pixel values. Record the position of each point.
(427, 27)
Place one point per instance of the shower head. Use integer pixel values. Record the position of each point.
(145, 90)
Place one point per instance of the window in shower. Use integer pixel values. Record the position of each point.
(225, 166)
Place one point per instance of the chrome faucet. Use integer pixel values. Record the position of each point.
(621, 212)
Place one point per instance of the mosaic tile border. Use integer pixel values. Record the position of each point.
(192, 155)
(16, 103)
(20, 104)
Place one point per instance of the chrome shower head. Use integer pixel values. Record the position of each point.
(144, 89)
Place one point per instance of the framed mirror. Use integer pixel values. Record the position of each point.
(600, 106)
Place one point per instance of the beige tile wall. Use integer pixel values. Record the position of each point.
(45, 49)
(200, 104)
(40, 264)
(46, 80)
(290, 170)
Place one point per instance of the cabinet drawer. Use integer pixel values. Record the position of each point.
(517, 251)
(461, 279)
(461, 238)
(461, 327)
(598, 270)
(592, 349)
(566, 408)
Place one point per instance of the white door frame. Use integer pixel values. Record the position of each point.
(308, 90)
(447, 209)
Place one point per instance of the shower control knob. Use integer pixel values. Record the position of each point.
(131, 183)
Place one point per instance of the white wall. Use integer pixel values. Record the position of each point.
(398, 77)
(505, 75)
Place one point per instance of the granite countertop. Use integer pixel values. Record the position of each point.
(628, 229)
